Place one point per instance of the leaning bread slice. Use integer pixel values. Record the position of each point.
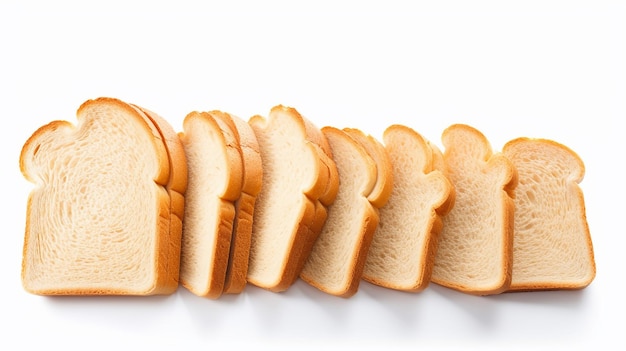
(402, 250)
(335, 264)
(98, 220)
(552, 247)
(252, 179)
(299, 181)
(176, 188)
(214, 184)
(475, 245)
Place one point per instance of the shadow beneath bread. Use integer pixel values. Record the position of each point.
(555, 298)
(85, 301)
(487, 310)
(112, 311)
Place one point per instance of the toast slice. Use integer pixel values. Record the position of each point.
(98, 220)
(300, 180)
(335, 264)
(252, 178)
(402, 251)
(476, 243)
(215, 171)
(552, 248)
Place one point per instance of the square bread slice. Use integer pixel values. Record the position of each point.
(552, 246)
(100, 218)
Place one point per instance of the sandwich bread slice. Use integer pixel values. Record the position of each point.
(476, 243)
(252, 180)
(101, 219)
(552, 246)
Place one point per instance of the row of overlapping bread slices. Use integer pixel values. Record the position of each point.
(273, 199)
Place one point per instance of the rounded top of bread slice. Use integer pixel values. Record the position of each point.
(384, 175)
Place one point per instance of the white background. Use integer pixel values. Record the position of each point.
(538, 68)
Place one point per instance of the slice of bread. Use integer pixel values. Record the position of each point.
(99, 218)
(476, 243)
(176, 188)
(300, 180)
(215, 170)
(335, 264)
(252, 178)
(552, 248)
(402, 251)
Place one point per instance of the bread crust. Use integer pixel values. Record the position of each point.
(237, 268)
(176, 187)
(226, 196)
(384, 175)
(161, 284)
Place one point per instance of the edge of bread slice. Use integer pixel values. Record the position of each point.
(476, 243)
(402, 251)
(252, 181)
(335, 264)
(215, 171)
(299, 180)
(552, 246)
(98, 219)
(176, 188)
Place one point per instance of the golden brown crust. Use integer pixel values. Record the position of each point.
(176, 187)
(327, 183)
(237, 269)
(384, 180)
(230, 192)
